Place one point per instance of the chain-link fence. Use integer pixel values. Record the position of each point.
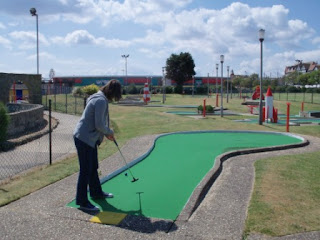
(27, 143)
(307, 97)
(62, 99)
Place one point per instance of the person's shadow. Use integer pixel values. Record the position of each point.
(137, 221)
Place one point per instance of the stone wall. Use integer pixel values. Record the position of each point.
(32, 81)
(24, 118)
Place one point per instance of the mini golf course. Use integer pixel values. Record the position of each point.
(172, 169)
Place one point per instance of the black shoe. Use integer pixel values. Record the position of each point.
(89, 207)
(104, 195)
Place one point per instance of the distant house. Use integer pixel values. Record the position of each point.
(302, 67)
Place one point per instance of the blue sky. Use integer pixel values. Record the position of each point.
(88, 37)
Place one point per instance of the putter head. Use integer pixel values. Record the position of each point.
(134, 179)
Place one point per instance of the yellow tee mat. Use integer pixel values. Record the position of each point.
(110, 218)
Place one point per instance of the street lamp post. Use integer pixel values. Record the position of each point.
(228, 84)
(164, 84)
(125, 57)
(208, 84)
(231, 82)
(300, 66)
(217, 67)
(261, 38)
(221, 108)
(33, 12)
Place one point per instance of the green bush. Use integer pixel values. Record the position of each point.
(310, 90)
(90, 89)
(169, 89)
(293, 89)
(178, 89)
(280, 89)
(209, 108)
(202, 90)
(77, 91)
(132, 89)
(4, 122)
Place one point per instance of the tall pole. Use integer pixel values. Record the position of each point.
(221, 108)
(217, 67)
(208, 84)
(125, 57)
(33, 12)
(261, 38)
(231, 82)
(164, 85)
(228, 84)
(37, 45)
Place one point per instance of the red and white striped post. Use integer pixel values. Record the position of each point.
(269, 105)
(146, 93)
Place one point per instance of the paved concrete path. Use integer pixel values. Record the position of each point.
(36, 152)
(221, 215)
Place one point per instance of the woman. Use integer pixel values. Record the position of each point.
(89, 132)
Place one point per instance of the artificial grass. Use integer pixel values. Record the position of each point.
(173, 169)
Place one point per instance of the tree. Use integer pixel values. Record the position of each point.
(180, 68)
(255, 81)
(236, 81)
(314, 77)
(303, 79)
(291, 78)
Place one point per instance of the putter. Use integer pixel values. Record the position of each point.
(133, 178)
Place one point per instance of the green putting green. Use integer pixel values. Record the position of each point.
(173, 168)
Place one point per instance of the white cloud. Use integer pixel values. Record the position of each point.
(308, 56)
(214, 32)
(2, 26)
(64, 2)
(84, 37)
(144, 12)
(153, 29)
(155, 53)
(42, 56)
(5, 42)
(316, 40)
(28, 39)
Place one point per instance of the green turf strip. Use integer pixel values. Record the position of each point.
(172, 170)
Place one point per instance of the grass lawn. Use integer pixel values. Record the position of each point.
(286, 194)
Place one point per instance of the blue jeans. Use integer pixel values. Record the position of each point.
(88, 175)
